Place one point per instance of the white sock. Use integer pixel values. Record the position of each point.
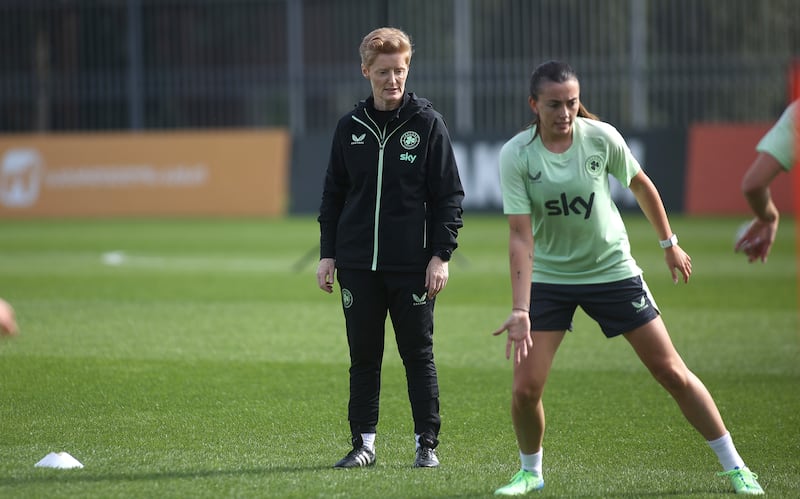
(369, 441)
(532, 462)
(726, 453)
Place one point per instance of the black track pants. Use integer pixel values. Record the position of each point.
(366, 298)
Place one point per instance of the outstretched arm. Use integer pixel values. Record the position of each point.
(653, 208)
(757, 240)
(520, 254)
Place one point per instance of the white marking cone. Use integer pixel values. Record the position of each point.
(61, 460)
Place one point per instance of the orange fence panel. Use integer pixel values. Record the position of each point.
(718, 157)
(206, 173)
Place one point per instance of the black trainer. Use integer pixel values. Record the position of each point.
(426, 453)
(361, 456)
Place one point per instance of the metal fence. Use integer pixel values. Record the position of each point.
(79, 65)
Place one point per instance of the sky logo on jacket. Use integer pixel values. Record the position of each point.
(407, 156)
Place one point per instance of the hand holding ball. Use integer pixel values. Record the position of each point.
(740, 243)
(8, 324)
(755, 239)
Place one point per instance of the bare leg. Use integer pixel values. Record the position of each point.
(530, 375)
(654, 347)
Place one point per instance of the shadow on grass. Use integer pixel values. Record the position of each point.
(81, 475)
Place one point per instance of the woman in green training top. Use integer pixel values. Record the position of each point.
(777, 152)
(567, 248)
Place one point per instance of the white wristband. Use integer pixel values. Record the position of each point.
(668, 243)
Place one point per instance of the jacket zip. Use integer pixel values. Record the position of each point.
(424, 225)
(382, 139)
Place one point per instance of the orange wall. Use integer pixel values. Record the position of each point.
(144, 174)
(718, 156)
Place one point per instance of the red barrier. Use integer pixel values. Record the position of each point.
(718, 156)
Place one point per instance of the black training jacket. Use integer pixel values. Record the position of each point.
(392, 195)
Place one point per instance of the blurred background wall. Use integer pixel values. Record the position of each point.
(646, 66)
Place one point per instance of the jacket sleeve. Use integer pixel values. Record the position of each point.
(333, 198)
(445, 191)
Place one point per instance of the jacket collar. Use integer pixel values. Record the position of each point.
(411, 105)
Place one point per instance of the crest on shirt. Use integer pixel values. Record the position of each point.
(594, 165)
(409, 140)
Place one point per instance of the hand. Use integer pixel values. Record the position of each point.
(518, 326)
(757, 240)
(326, 271)
(678, 261)
(8, 324)
(436, 276)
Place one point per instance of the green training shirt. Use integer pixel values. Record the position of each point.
(782, 139)
(579, 236)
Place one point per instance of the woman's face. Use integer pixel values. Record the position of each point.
(387, 75)
(557, 106)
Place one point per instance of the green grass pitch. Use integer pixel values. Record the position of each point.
(197, 358)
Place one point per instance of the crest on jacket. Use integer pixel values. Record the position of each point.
(409, 140)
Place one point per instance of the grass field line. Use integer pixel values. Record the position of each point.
(82, 261)
(55, 261)
(192, 263)
(49, 261)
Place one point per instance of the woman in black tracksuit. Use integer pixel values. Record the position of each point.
(389, 218)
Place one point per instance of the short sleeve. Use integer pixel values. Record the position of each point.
(781, 140)
(623, 164)
(513, 175)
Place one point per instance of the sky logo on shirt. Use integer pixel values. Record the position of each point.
(574, 206)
